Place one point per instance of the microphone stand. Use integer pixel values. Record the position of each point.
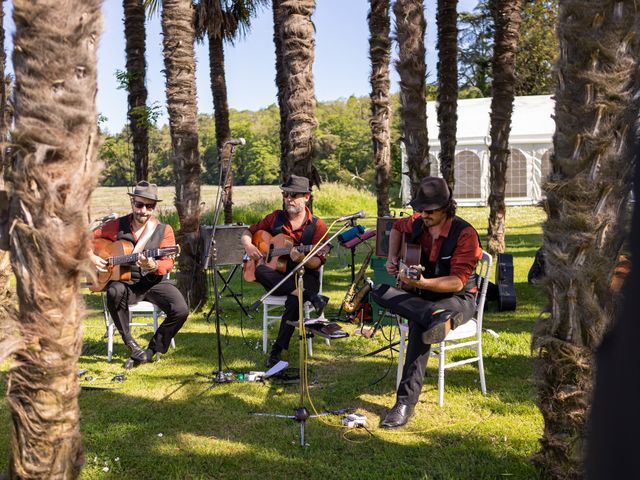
(218, 376)
(301, 414)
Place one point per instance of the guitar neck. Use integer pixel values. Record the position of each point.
(133, 257)
(276, 252)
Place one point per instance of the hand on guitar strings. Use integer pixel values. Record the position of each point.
(296, 255)
(98, 262)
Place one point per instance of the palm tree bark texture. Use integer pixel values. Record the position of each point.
(179, 61)
(51, 176)
(508, 17)
(134, 34)
(298, 45)
(596, 106)
(280, 84)
(380, 123)
(447, 108)
(411, 67)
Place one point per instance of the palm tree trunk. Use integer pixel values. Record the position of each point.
(596, 106)
(508, 18)
(179, 61)
(4, 124)
(447, 20)
(134, 33)
(411, 66)
(50, 180)
(221, 118)
(379, 52)
(280, 85)
(297, 57)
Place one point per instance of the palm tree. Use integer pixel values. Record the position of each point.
(4, 124)
(379, 52)
(296, 36)
(596, 110)
(508, 18)
(179, 60)
(223, 20)
(51, 177)
(134, 33)
(446, 19)
(280, 84)
(411, 66)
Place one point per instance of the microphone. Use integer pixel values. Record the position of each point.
(111, 216)
(236, 142)
(353, 216)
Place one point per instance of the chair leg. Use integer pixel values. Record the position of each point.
(310, 346)
(441, 362)
(483, 385)
(265, 325)
(401, 351)
(110, 328)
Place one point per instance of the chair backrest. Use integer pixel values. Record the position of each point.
(483, 272)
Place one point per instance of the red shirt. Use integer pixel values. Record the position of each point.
(464, 258)
(110, 231)
(267, 222)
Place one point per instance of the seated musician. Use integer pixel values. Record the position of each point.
(443, 294)
(304, 228)
(147, 276)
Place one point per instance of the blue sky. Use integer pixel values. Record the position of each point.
(341, 66)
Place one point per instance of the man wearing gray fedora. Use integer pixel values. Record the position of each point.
(439, 298)
(147, 281)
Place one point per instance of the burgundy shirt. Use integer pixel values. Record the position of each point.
(110, 231)
(267, 222)
(464, 258)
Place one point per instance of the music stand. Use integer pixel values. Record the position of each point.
(218, 376)
(301, 414)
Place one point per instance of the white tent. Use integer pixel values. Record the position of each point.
(532, 129)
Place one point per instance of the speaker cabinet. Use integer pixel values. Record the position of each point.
(383, 230)
(504, 279)
(229, 250)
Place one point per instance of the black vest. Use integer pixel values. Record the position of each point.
(305, 239)
(125, 233)
(442, 266)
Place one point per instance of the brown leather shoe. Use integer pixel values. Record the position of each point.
(442, 323)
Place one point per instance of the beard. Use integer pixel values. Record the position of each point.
(140, 218)
(294, 208)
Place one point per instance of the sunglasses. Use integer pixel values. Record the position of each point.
(431, 212)
(149, 206)
(292, 195)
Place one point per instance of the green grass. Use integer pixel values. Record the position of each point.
(208, 430)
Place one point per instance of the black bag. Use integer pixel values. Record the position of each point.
(536, 272)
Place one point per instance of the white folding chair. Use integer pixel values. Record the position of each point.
(472, 328)
(143, 308)
(273, 302)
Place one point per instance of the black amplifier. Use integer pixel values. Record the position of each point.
(229, 250)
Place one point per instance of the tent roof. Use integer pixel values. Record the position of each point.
(531, 122)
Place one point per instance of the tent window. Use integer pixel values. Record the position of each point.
(546, 165)
(516, 175)
(467, 175)
(435, 166)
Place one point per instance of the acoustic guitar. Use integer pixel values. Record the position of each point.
(409, 262)
(119, 256)
(275, 251)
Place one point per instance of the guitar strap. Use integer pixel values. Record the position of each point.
(149, 228)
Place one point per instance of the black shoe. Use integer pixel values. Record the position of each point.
(441, 324)
(138, 357)
(274, 358)
(319, 302)
(398, 416)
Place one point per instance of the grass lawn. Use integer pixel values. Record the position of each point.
(167, 422)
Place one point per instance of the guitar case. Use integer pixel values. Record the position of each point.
(504, 279)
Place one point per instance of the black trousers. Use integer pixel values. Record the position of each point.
(165, 295)
(268, 278)
(418, 310)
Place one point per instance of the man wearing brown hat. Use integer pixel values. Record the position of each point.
(296, 221)
(443, 296)
(148, 281)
